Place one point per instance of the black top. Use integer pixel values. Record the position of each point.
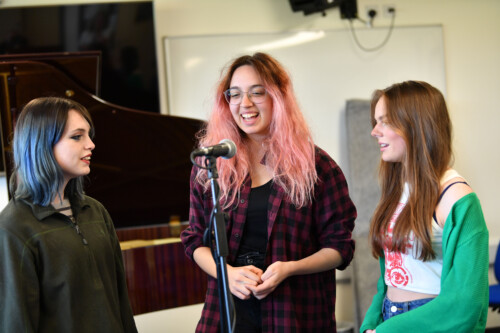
(255, 232)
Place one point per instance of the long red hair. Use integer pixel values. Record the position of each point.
(289, 147)
(417, 112)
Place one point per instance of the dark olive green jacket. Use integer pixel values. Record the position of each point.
(50, 281)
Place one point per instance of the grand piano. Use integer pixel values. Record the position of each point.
(140, 171)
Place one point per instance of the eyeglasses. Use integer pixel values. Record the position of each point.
(256, 94)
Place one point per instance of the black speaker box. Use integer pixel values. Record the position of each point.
(313, 6)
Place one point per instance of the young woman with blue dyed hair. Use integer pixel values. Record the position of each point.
(61, 267)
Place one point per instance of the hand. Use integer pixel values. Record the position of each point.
(272, 277)
(241, 278)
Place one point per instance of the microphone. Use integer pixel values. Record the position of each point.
(225, 149)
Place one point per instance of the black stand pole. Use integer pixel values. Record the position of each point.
(227, 316)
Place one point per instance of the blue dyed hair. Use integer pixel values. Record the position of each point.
(37, 175)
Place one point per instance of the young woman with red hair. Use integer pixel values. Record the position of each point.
(289, 214)
(428, 229)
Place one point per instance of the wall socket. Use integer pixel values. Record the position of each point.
(388, 10)
(368, 9)
(384, 11)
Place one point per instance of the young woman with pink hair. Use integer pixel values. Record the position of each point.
(289, 214)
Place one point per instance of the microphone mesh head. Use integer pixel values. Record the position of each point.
(232, 148)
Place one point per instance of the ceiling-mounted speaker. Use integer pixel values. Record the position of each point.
(313, 6)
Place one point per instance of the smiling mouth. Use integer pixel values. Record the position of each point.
(249, 115)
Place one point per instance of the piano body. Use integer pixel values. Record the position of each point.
(140, 172)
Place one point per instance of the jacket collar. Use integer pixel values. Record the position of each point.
(42, 212)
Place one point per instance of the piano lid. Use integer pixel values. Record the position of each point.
(140, 167)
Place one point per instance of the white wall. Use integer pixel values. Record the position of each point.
(472, 51)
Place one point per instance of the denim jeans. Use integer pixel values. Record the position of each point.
(391, 309)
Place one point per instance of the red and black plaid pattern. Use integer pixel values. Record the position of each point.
(301, 303)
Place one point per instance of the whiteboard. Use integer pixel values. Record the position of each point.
(327, 68)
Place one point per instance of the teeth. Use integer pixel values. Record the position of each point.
(86, 158)
(383, 145)
(249, 115)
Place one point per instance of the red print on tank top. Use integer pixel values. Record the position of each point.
(396, 273)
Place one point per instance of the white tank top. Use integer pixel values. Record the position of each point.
(405, 270)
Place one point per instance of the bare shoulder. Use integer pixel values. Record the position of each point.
(454, 193)
(458, 190)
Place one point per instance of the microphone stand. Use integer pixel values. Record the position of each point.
(227, 315)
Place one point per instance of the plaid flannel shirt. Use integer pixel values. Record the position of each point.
(302, 303)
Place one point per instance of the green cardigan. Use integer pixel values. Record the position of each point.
(462, 304)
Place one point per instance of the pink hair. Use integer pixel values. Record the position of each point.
(289, 147)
